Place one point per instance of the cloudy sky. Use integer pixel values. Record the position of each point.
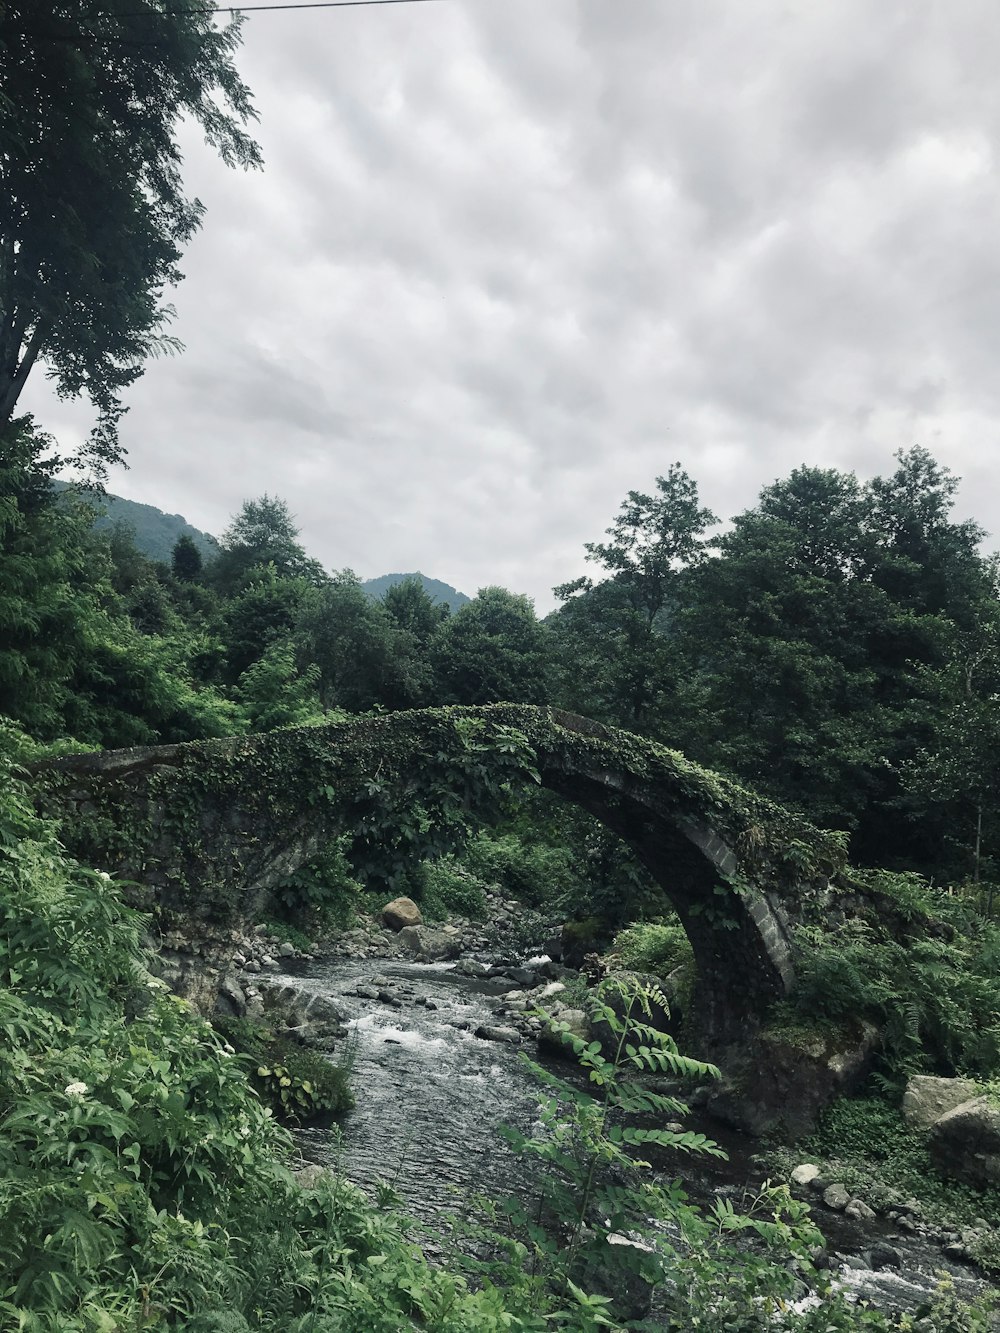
(509, 259)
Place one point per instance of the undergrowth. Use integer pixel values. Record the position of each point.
(923, 967)
(874, 1151)
(299, 1085)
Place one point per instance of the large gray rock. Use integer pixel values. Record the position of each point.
(778, 1082)
(400, 913)
(428, 946)
(489, 1032)
(927, 1099)
(965, 1142)
(308, 1013)
(551, 1038)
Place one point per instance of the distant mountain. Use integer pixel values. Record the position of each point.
(156, 533)
(435, 589)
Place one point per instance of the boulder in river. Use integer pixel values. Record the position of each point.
(927, 1099)
(965, 1142)
(428, 946)
(402, 912)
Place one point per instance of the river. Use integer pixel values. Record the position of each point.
(431, 1096)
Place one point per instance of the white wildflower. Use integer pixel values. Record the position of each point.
(75, 1089)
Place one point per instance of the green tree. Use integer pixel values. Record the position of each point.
(44, 623)
(92, 212)
(275, 694)
(620, 630)
(412, 608)
(953, 780)
(262, 535)
(186, 560)
(365, 659)
(263, 613)
(493, 649)
(812, 638)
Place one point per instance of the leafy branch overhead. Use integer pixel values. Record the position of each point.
(93, 215)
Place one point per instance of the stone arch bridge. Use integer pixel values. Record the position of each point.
(210, 827)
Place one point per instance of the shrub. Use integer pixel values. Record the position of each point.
(887, 1162)
(446, 888)
(322, 893)
(298, 1084)
(658, 947)
(534, 872)
(931, 982)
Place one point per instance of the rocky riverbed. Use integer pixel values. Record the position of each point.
(434, 1018)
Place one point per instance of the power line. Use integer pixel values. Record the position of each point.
(247, 9)
(199, 10)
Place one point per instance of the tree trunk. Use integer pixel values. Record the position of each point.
(11, 386)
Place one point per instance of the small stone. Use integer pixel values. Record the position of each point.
(836, 1197)
(859, 1210)
(804, 1174)
(251, 965)
(487, 1033)
(267, 960)
(286, 950)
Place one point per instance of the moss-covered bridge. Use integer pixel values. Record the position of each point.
(212, 826)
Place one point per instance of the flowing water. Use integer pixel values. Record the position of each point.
(431, 1097)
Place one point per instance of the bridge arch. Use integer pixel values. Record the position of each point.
(210, 827)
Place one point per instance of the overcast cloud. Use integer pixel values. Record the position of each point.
(509, 259)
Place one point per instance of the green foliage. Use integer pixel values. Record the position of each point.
(142, 1184)
(535, 872)
(93, 216)
(657, 947)
(299, 1085)
(872, 1149)
(274, 693)
(445, 887)
(621, 630)
(262, 537)
(366, 658)
(932, 987)
(492, 649)
(323, 892)
(606, 1238)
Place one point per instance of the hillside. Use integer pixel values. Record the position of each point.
(435, 589)
(156, 533)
